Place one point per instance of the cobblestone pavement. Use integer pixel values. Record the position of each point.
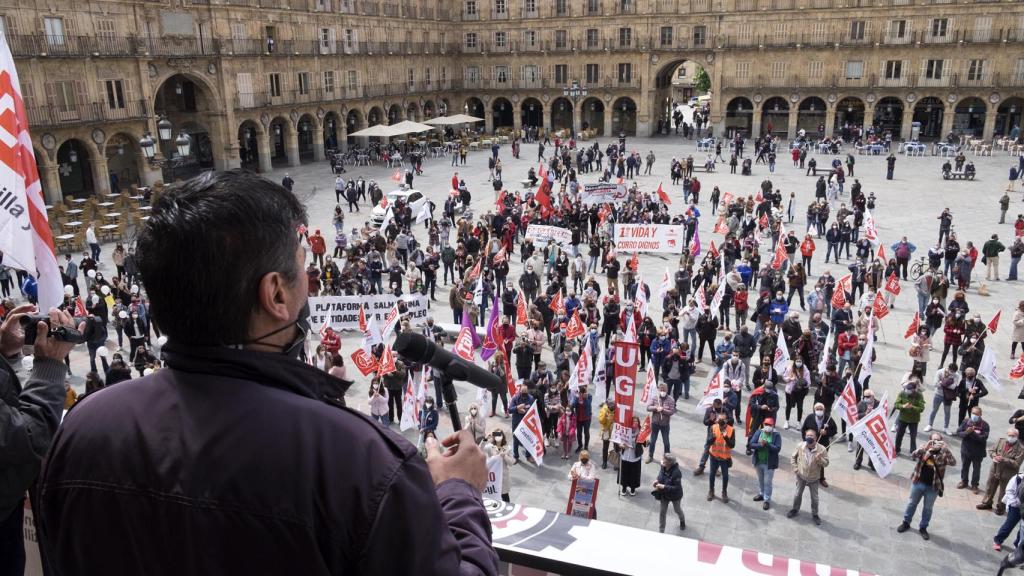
(860, 511)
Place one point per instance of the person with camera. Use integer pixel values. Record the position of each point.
(258, 486)
(29, 416)
(930, 465)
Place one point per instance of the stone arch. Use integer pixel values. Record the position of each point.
(562, 113)
(503, 112)
(624, 111)
(592, 115)
(305, 129)
(332, 126)
(810, 114)
(849, 116)
(75, 159)
(739, 116)
(775, 117)
(930, 111)
(281, 131)
(888, 116)
(1008, 115)
(124, 160)
(412, 111)
(354, 122)
(670, 90)
(374, 116)
(429, 109)
(969, 116)
(395, 114)
(474, 107)
(188, 98)
(250, 135)
(531, 112)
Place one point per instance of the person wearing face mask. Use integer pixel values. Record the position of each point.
(1007, 456)
(476, 423)
(797, 381)
(428, 420)
(970, 391)
(926, 482)
(720, 442)
(824, 426)
(910, 404)
(661, 407)
(668, 489)
(765, 445)
(606, 417)
(764, 400)
(379, 402)
(945, 393)
(584, 469)
(809, 460)
(496, 444)
(973, 432)
(246, 344)
(867, 404)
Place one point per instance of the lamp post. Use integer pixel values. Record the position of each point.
(574, 92)
(179, 154)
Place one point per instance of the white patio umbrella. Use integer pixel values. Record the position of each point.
(410, 127)
(450, 120)
(380, 131)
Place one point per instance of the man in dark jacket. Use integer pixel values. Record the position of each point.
(239, 484)
(29, 416)
(668, 489)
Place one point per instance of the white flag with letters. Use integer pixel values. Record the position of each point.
(530, 434)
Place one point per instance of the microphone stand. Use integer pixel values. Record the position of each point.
(446, 384)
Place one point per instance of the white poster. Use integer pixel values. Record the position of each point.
(530, 434)
(342, 312)
(494, 477)
(541, 235)
(662, 238)
(603, 193)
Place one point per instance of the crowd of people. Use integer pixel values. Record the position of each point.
(762, 265)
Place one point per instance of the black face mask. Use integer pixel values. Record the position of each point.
(302, 323)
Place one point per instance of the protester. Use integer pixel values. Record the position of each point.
(668, 489)
(810, 460)
(765, 444)
(926, 481)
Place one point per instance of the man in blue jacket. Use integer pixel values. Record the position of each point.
(236, 451)
(765, 444)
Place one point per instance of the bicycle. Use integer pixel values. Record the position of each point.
(918, 268)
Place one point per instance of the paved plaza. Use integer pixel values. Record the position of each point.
(860, 511)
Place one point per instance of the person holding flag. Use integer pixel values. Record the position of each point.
(518, 406)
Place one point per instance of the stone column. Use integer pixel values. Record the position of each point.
(489, 121)
(908, 117)
(791, 129)
(830, 118)
(990, 123)
(947, 121)
(234, 158)
(291, 145)
(755, 128)
(517, 119)
(263, 152)
(608, 121)
(51, 183)
(342, 131)
(100, 174)
(318, 144)
(869, 116)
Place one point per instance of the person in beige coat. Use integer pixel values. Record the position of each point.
(809, 460)
(1018, 330)
(1007, 457)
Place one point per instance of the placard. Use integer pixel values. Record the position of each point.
(661, 238)
(342, 312)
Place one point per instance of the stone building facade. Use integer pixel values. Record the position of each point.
(261, 83)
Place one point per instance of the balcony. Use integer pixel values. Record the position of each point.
(41, 45)
(391, 10)
(470, 16)
(85, 113)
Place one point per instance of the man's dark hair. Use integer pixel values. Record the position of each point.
(206, 246)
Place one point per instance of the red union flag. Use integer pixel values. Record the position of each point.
(387, 362)
(879, 306)
(626, 359)
(993, 324)
(913, 327)
(25, 238)
(720, 226)
(464, 344)
(80, 310)
(892, 284)
(1018, 369)
(521, 312)
(727, 198)
(575, 328)
(364, 361)
(780, 254)
(645, 431)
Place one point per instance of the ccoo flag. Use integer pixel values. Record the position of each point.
(25, 238)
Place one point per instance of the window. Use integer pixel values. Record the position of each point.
(531, 74)
(326, 40)
(470, 7)
(625, 37)
(115, 94)
(700, 35)
(560, 39)
(530, 38)
(62, 96)
(593, 7)
(819, 31)
(501, 39)
(237, 31)
(426, 76)
(350, 39)
(666, 35)
(857, 30)
(815, 69)
(855, 70)
(743, 69)
(781, 32)
(530, 6)
(329, 82)
(592, 38)
(745, 33)
(303, 78)
(561, 7)
(501, 74)
(561, 74)
(897, 29)
(975, 70)
(625, 72)
(275, 84)
(893, 69)
(1018, 70)
(244, 84)
(410, 78)
(593, 73)
(54, 28)
(778, 69)
(939, 26)
(105, 28)
(470, 39)
(352, 83)
(501, 6)
(933, 69)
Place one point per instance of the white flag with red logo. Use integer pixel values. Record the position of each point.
(410, 407)
(651, 387)
(641, 301)
(716, 299)
(870, 231)
(390, 322)
(988, 370)
(846, 404)
(720, 226)
(1018, 369)
(501, 256)
(665, 286)
(530, 434)
(25, 238)
(866, 362)
(581, 370)
(464, 344)
(700, 297)
(781, 362)
(715, 390)
(872, 433)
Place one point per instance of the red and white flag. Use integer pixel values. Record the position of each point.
(892, 284)
(781, 361)
(364, 361)
(581, 370)
(390, 322)
(362, 318)
(557, 303)
(397, 176)
(663, 195)
(880, 308)
(474, 273)
(762, 222)
(715, 390)
(464, 344)
(386, 365)
(500, 256)
(80, 310)
(1018, 369)
(575, 328)
(870, 231)
(651, 387)
(759, 198)
(846, 404)
(410, 407)
(25, 238)
(727, 198)
(915, 324)
(872, 434)
(780, 253)
(530, 434)
(665, 286)
(634, 262)
(521, 311)
(720, 226)
(993, 324)
(713, 250)
(701, 298)
(881, 252)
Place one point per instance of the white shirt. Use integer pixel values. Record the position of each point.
(588, 470)
(90, 236)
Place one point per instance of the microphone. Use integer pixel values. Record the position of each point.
(418, 348)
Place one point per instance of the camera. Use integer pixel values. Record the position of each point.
(63, 333)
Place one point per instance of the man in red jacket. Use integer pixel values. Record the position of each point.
(845, 345)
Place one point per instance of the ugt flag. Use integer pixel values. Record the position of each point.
(25, 238)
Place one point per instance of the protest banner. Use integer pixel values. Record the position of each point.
(625, 362)
(582, 497)
(495, 471)
(342, 312)
(603, 193)
(542, 235)
(663, 238)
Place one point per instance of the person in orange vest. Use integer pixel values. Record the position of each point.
(721, 440)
